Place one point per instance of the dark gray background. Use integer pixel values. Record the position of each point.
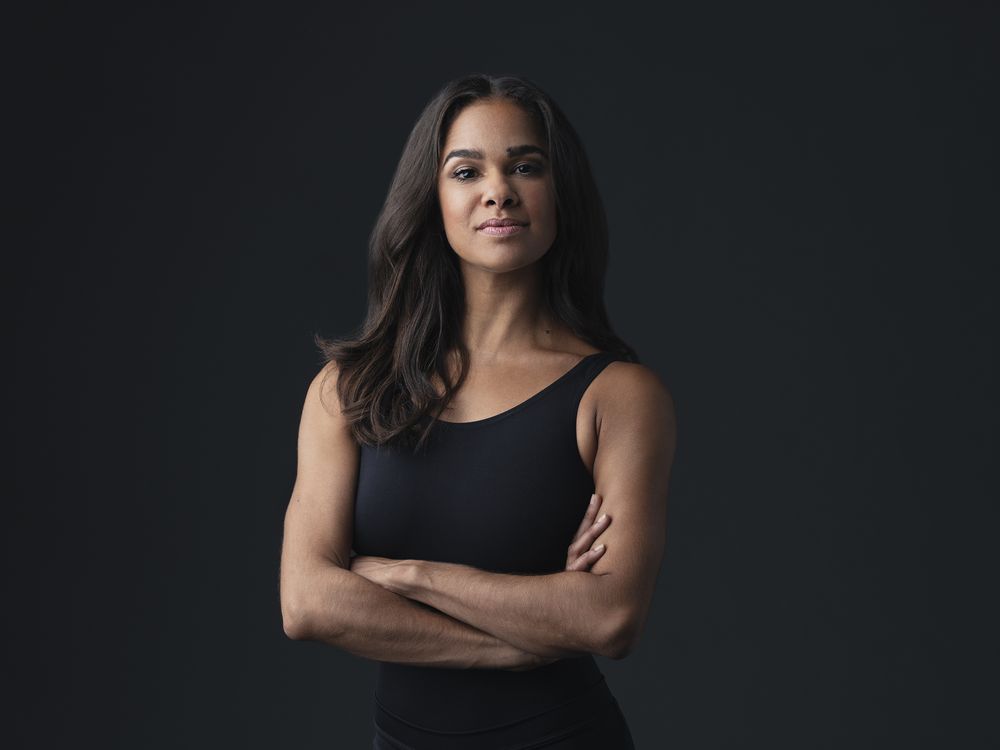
(803, 211)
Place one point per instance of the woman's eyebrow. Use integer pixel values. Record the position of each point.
(473, 153)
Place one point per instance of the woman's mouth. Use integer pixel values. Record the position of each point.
(502, 231)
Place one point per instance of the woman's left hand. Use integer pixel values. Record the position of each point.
(388, 573)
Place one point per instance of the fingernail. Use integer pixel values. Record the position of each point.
(599, 548)
(604, 517)
(593, 499)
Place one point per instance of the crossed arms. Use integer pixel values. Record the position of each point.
(449, 615)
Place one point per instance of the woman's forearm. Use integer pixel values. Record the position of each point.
(554, 615)
(367, 620)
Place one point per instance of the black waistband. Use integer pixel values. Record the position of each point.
(578, 711)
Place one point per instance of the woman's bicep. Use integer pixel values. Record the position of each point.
(319, 519)
(636, 443)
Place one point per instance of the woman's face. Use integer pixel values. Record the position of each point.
(495, 166)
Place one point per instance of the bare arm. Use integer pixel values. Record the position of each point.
(556, 615)
(321, 599)
(561, 613)
(369, 621)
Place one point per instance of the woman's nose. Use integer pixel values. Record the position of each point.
(499, 192)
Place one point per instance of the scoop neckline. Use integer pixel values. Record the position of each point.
(517, 407)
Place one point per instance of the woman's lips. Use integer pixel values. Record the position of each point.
(502, 231)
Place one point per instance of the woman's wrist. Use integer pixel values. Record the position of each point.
(410, 580)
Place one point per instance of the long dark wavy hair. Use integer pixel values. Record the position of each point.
(416, 297)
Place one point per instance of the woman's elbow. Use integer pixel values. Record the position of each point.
(313, 604)
(296, 607)
(294, 619)
(623, 637)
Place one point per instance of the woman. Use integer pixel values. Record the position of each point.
(465, 440)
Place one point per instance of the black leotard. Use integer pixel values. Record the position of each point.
(504, 494)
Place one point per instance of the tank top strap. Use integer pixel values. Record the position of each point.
(593, 367)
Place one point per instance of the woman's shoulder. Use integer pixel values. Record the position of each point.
(323, 389)
(621, 379)
(632, 387)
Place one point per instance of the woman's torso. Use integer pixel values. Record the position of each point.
(505, 494)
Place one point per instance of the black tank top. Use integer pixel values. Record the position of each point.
(504, 494)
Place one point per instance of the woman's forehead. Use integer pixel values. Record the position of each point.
(493, 128)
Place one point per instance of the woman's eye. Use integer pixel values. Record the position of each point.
(459, 174)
